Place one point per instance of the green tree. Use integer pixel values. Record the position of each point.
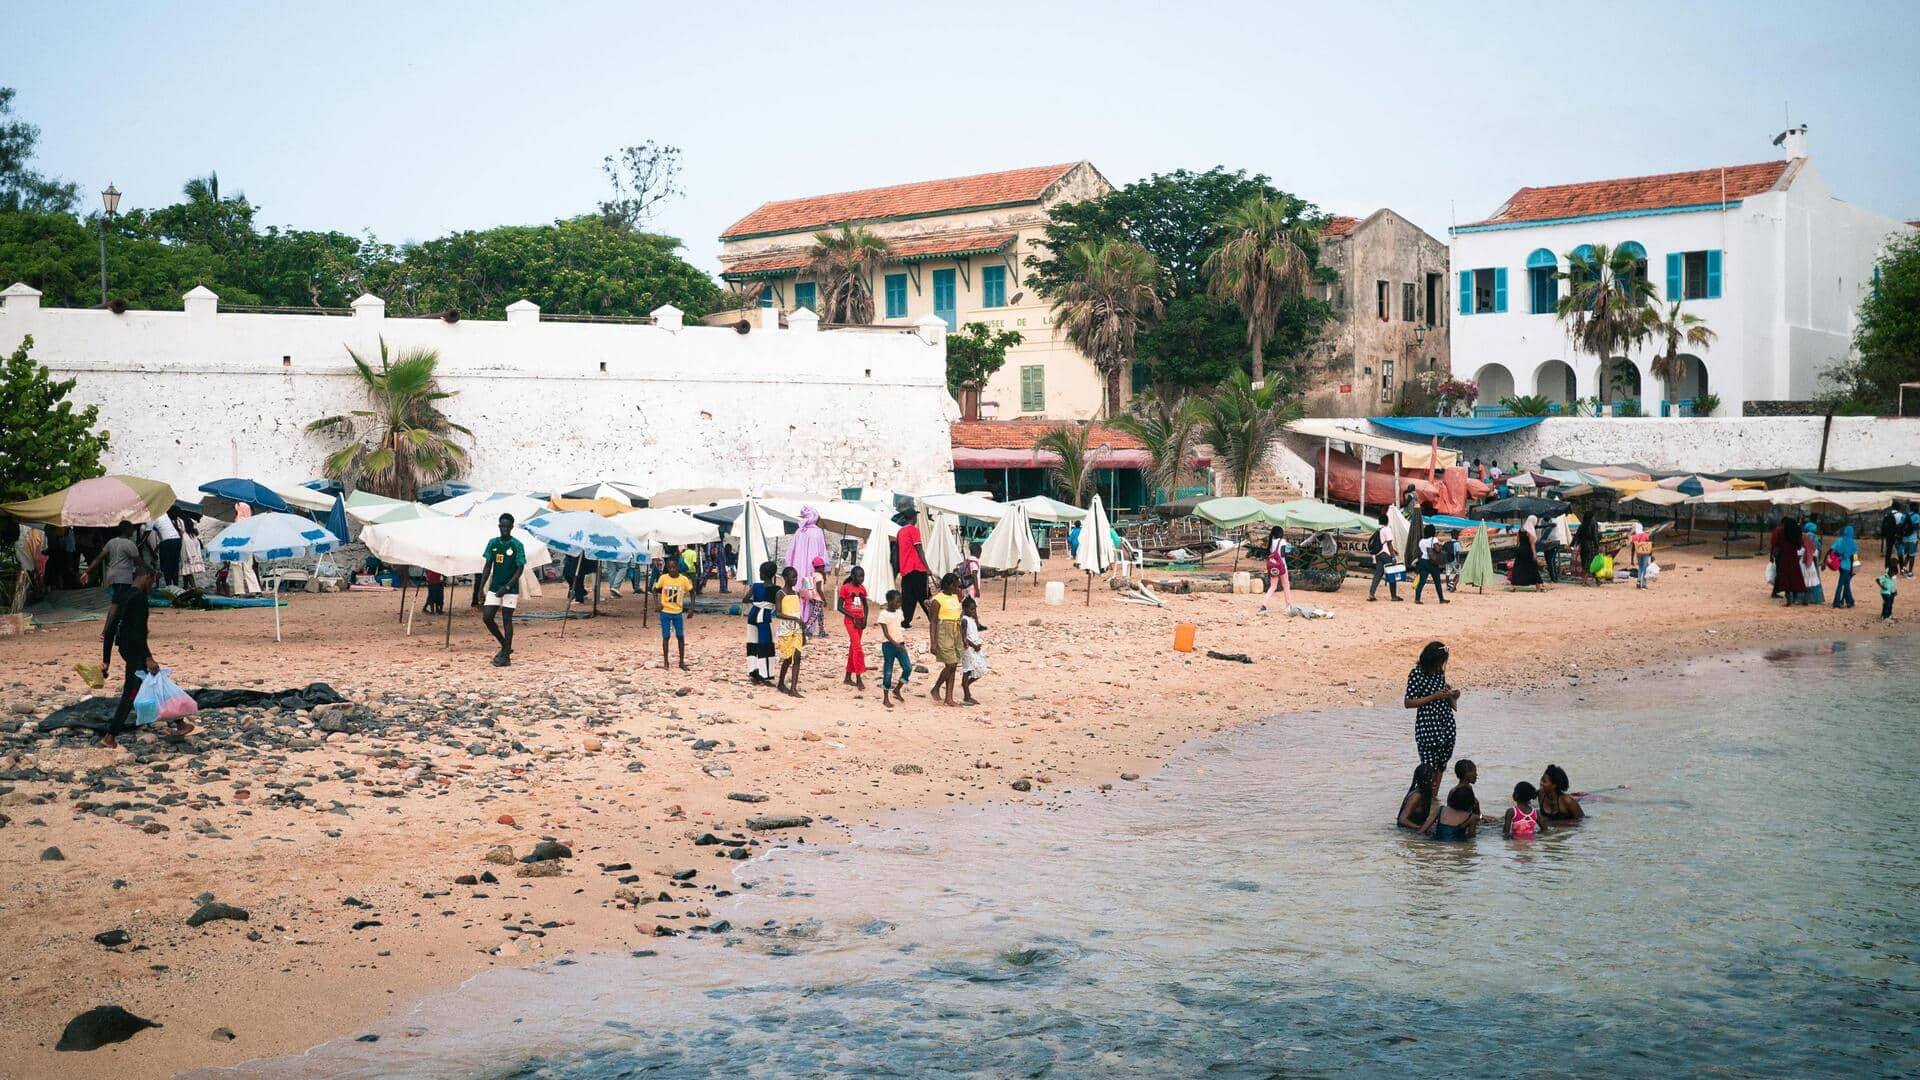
(414, 444)
(1260, 266)
(1605, 308)
(974, 353)
(1886, 342)
(1074, 473)
(21, 188)
(1110, 289)
(1676, 328)
(1176, 217)
(60, 256)
(1169, 427)
(1241, 423)
(44, 444)
(841, 264)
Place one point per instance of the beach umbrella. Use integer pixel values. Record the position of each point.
(1520, 506)
(876, 559)
(337, 519)
(491, 504)
(301, 497)
(223, 494)
(616, 490)
(1317, 516)
(585, 536)
(602, 506)
(369, 509)
(655, 526)
(1231, 512)
(1478, 569)
(1096, 545)
(753, 543)
(1042, 508)
(1010, 548)
(102, 502)
(1694, 485)
(696, 497)
(272, 536)
(451, 546)
(942, 545)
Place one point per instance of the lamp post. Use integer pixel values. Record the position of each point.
(110, 201)
(1413, 361)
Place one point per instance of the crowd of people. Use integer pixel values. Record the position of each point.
(1798, 563)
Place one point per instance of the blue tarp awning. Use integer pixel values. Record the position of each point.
(1455, 427)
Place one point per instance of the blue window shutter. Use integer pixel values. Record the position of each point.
(804, 294)
(1713, 274)
(945, 295)
(896, 296)
(1674, 262)
(1499, 288)
(1466, 292)
(993, 286)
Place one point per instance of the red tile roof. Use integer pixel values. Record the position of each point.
(1700, 187)
(901, 200)
(1339, 226)
(1021, 435)
(912, 250)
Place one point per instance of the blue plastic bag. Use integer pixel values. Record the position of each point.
(161, 699)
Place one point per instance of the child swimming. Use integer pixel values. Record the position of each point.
(1523, 818)
(1460, 818)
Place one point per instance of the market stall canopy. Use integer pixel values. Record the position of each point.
(1837, 502)
(1316, 515)
(1521, 506)
(1455, 427)
(973, 506)
(1657, 496)
(1735, 497)
(1043, 508)
(1694, 485)
(1232, 511)
(99, 503)
(1412, 455)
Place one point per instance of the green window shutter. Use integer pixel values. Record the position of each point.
(1466, 292)
(804, 294)
(1675, 263)
(1499, 288)
(1713, 274)
(1033, 388)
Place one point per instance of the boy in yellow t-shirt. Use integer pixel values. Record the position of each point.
(675, 589)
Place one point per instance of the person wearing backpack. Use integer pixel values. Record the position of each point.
(1380, 546)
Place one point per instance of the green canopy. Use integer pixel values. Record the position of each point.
(1233, 511)
(1478, 570)
(1318, 516)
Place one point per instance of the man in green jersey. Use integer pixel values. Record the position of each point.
(505, 558)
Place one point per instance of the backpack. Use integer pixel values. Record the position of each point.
(1373, 543)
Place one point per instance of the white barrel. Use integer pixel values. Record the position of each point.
(1056, 593)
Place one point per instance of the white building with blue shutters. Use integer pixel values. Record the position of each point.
(1764, 253)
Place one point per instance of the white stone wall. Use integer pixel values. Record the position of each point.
(197, 395)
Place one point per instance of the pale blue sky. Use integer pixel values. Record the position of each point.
(414, 119)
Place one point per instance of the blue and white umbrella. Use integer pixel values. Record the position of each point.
(272, 536)
(589, 536)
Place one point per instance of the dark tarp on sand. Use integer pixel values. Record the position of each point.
(95, 712)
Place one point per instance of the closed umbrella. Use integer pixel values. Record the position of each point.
(102, 502)
(1010, 548)
(1096, 545)
(942, 545)
(753, 530)
(337, 519)
(876, 559)
(272, 536)
(1478, 569)
(451, 546)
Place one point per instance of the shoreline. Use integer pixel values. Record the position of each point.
(1126, 702)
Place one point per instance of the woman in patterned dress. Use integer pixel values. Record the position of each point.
(1427, 691)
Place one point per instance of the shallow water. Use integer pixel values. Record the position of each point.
(1744, 900)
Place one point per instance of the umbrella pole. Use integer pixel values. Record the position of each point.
(276, 609)
(403, 599)
(448, 640)
(567, 611)
(1003, 591)
(1089, 588)
(409, 622)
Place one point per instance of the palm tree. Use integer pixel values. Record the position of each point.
(1676, 328)
(1110, 288)
(1605, 306)
(416, 444)
(1073, 476)
(842, 265)
(1170, 428)
(1260, 264)
(1242, 422)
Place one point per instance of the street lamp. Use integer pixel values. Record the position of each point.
(110, 200)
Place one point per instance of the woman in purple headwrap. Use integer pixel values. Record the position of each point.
(805, 552)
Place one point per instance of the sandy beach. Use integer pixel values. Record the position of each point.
(355, 840)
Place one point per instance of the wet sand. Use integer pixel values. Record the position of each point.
(585, 740)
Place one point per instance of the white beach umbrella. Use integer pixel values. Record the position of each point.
(753, 543)
(450, 546)
(603, 489)
(876, 558)
(659, 525)
(1010, 548)
(1096, 545)
(942, 545)
(272, 536)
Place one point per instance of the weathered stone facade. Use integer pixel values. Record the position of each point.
(1390, 325)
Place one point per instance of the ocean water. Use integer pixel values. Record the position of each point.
(1744, 900)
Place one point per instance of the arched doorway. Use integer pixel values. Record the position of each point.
(1554, 381)
(1621, 381)
(1495, 382)
(1693, 378)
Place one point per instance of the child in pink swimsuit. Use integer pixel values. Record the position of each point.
(1523, 818)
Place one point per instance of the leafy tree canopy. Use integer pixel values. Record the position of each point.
(975, 352)
(1176, 216)
(44, 444)
(21, 188)
(1887, 341)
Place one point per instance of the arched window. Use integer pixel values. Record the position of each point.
(1541, 282)
(1580, 262)
(1631, 250)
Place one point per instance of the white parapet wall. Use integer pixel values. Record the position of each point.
(195, 395)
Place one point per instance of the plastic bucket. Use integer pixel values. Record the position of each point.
(1056, 593)
(1183, 637)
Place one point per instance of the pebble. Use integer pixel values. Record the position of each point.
(778, 821)
(212, 911)
(113, 938)
(746, 797)
(53, 854)
(500, 854)
(548, 849)
(1022, 784)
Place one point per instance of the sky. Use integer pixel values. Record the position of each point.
(417, 119)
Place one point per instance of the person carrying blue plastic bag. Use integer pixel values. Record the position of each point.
(127, 630)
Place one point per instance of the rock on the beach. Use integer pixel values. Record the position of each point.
(222, 1034)
(746, 797)
(505, 819)
(1022, 784)
(538, 869)
(101, 1025)
(1129, 776)
(113, 938)
(549, 849)
(213, 910)
(778, 821)
(907, 770)
(53, 854)
(500, 854)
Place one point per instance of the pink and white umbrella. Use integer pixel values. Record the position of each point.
(99, 503)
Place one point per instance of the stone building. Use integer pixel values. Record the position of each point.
(957, 247)
(1390, 302)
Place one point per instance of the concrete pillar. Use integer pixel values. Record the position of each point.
(804, 321)
(19, 299)
(931, 329)
(201, 303)
(523, 313)
(1586, 376)
(668, 317)
(370, 307)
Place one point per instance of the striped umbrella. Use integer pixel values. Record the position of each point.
(101, 502)
(272, 536)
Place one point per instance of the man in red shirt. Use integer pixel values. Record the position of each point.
(911, 560)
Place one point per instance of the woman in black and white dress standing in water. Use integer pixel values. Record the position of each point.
(1427, 691)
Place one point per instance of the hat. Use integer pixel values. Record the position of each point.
(819, 562)
(904, 517)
